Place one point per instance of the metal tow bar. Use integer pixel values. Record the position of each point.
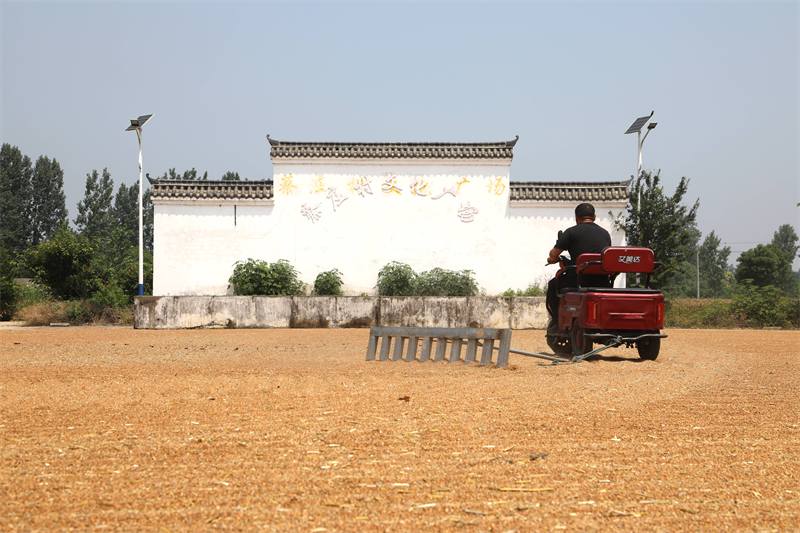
(613, 343)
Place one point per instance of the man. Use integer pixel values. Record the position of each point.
(585, 237)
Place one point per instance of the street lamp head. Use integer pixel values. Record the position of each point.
(652, 125)
(137, 123)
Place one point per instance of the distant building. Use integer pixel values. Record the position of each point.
(359, 206)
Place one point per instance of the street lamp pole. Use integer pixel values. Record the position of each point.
(636, 127)
(136, 124)
(650, 127)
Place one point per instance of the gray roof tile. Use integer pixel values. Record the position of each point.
(486, 150)
(566, 191)
(521, 191)
(161, 189)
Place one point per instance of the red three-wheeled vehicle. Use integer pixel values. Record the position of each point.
(596, 312)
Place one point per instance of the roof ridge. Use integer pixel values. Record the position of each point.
(392, 150)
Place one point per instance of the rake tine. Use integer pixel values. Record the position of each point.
(425, 354)
(441, 346)
(411, 352)
(455, 351)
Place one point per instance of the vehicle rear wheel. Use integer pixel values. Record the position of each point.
(580, 344)
(559, 345)
(648, 348)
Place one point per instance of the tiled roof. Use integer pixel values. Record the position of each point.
(334, 150)
(566, 191)
(163, 189)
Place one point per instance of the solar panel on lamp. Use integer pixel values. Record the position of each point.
(638, 124)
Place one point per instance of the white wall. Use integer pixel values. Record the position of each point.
(197, 242)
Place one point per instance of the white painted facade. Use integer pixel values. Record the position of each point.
(357, 215)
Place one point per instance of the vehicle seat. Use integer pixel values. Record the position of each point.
(589, 268)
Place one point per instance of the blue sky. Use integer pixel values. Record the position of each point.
(568, 78)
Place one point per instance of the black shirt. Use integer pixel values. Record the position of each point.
(584, 238)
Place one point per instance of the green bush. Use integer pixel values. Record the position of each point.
(765, 306)
(110, 295)
(691, 313)
(8, 289)
(254, 277)
(396, 279)
(328, 283)
(63, 264)
(441, 282)
(532, 290)
(399, 279)
(29, 295)
(77, 312)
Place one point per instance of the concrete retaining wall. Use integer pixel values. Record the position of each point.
(182, 312)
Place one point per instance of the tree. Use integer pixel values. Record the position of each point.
(117, 263)
(148, 220)
(95, 216)
(126, 214)
(662, 223)
(766, 264)
(233, 176)
(63, 264)
(786, 239)
(48, 202)
(8, 288)
(15, 198)
(713, 268)
(187, 175)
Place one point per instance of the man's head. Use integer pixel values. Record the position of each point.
(584, 213)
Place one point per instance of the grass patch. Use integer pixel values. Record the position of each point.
(690, 313)
(76, 313)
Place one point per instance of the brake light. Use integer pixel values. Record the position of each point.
(591, 308)
(660, 314)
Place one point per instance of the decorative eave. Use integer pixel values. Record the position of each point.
(569, 191)
(222, 190)
(345, 150)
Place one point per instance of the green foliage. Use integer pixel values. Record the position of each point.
(693, 313)
(76, 312)
(48, 202)
(396, 279)
(30, 295)
(125, 212)
(63, 264)
(110, 295)
(8, 288)
(766, 264)
(15, 198)
(786, 239)
(254, 277)
(399, 279)
(766, 306)
(31, 199)
(661, 223)
(532, 290)
(95, 219)
(187, 175)
(232, 176)
(117, 263)
(715, 281)
(442, 282)
(328, 283)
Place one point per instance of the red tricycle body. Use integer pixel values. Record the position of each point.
(596, 312)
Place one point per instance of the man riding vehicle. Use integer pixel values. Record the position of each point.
(585, 237)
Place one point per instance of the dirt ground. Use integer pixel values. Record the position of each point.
(292, 430)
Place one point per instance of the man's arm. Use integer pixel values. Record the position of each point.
(553, 257)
